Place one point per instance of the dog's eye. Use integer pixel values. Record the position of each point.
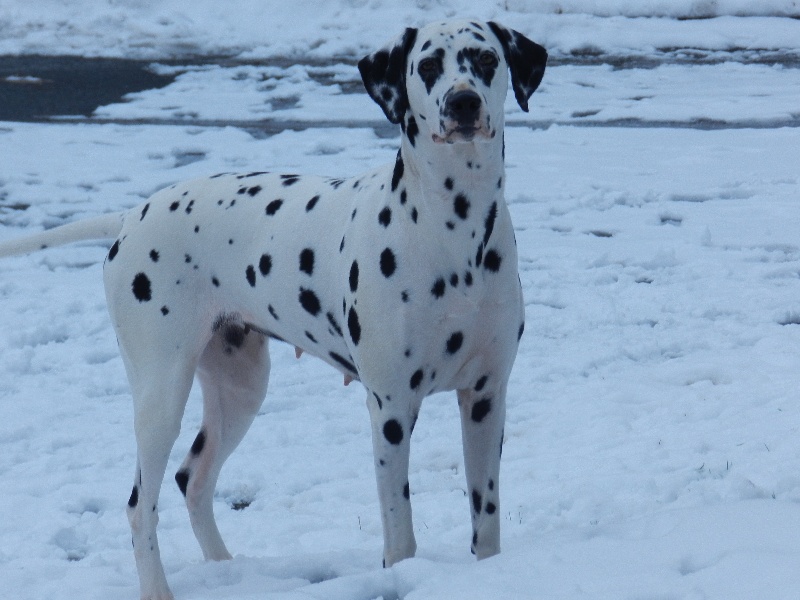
(488, 59)
(427, 66)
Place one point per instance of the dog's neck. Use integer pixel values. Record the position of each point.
(474, 169)
(454, 196)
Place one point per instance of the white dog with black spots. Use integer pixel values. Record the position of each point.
(404, 278)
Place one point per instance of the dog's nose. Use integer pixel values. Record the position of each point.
(464, 107)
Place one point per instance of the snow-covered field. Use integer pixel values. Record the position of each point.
(652, 446)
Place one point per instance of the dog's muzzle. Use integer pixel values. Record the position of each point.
(461, 118)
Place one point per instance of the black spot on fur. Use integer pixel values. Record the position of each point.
(154, 255)
(309, 301)
(482, 63)
(174, 206)
(489, 223)
(454, 279)
(334, 324)
(492, 261)
(144, 211)
(354, 276)
(354, 326)
(134, 499)
(480, 384)
(479, 255)
(490, 508)
(448, 183)
(113, 251)
(250, 273)
(521, 329)
(265, 264)
(289, 179)
(388, 263)
(344, 362)
(307, 261)
(274, 206)
(438, 288)
(416, 379)
(182, 479)
(406, 491)
(164, 311)
(397, 175)
(454, 342)
(431, 68)
(199, 443)
(477, 501)
(141, 288)
(461, 206)
(254, 190)
(215, 281)
(385, 216)
(311, 337)
(412, 131)
(312, 203)
(393, 432)
(403, 196)
(480, 409)
(272, 312)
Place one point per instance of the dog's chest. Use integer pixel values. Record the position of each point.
(432, 286)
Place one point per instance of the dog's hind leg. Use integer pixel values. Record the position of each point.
(160, 391)
(233, 373)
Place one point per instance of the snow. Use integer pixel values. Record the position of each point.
(652, 443)
(319, 29)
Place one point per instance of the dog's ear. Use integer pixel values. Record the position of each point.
(384, 75)
(526, 61)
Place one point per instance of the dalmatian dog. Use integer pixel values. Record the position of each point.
(404, 278)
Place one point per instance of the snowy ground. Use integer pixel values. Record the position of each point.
(652, 447)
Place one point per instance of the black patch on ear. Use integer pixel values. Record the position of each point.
(383, 74)
(526, 61)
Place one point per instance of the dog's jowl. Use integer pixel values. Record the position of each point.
(404, 278)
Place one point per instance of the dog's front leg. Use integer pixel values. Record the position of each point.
(392, 420)
(482, 421)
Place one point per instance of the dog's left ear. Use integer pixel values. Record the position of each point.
(384, 75)
(526, 60)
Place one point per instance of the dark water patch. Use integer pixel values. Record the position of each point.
(36, 87)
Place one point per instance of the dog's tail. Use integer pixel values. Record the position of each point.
(103, 227)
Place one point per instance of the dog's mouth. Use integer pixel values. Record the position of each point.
(463, 133)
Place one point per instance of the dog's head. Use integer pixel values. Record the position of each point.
(449, 80)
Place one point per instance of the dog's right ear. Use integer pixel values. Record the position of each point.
(384, 75)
